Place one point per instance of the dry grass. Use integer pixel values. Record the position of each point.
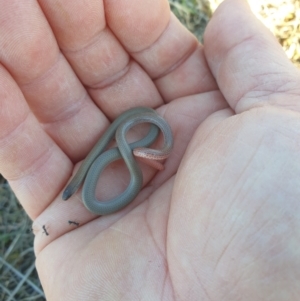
(194, 14)
(282, 17)
(18, 278)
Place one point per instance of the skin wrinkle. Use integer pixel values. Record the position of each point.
(226, 247)
(276, 256)
(204, 138)
(40, 161)
(181, 82)
(125, 97)
(215, 107)
(33, 38)
(187, 115)
(60, 12)
(161, 252)
(256, 233)
(126, 16)
(212, 192)
(211, 211)
(156, 58)
(28, 81)
(250, 159)
(282, 132)
(108, 82)
(57, 131)
(249, 39)
(123, 233)
(66, 112)
(207, 75)
(251, 273)
(14, 132)
(164, 285)
(289, 90)
(5, 135)
(227, 213)
(196, 272)
(207, 226)
(182, 270)
(241, 175)
(178, 64)
(112, 60)
(69, 112)
(239, 98)
(268, 83)
(89, 43)
(245, 226)
(43, 77)
(235, 283)
(265, 93)
(229, 50)
(154, 42)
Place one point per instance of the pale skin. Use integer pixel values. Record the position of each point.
(221, 222)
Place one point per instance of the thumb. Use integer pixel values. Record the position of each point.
(248, 63)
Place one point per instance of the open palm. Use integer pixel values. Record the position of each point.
(221, 222)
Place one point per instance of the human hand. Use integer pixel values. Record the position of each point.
(221, 221)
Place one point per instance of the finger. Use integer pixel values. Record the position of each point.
(101, 62)
(248, 63)
(32, 163)
(52, 89)
(114, 81)
(167, 53)
(166, 50)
